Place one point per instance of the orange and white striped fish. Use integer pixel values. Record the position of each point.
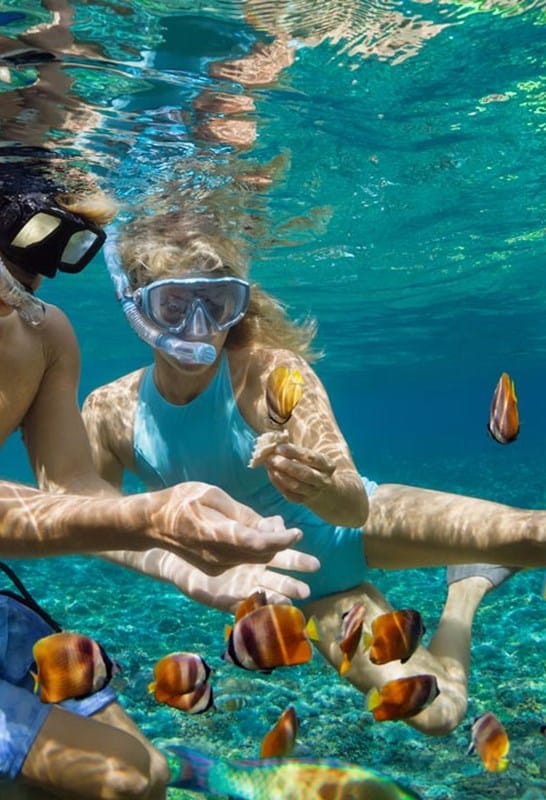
(503, 425)
(280, 740)
(270, 636)
(353, 621)
(395, 635)
(403, 698)
(490, 741)
(70, 665)
(181, 682)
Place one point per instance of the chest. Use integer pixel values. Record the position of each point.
(22, 366)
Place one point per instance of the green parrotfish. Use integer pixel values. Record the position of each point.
(282, 778)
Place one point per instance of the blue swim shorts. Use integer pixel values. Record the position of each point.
(22, 713)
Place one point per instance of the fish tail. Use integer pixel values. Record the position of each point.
(311, 629)
(367, 640)
(503, 763)
(193, 769)
(345, 665)
(151, 687)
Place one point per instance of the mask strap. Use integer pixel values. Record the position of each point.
(30, 309)
(185, 352)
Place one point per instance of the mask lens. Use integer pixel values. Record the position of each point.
(77, 246)
(169, 304)
(36, 229)
(223, 300)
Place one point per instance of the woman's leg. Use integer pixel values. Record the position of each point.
(104, 756)
(410, 527)
(447, 658)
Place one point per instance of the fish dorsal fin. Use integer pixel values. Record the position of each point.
(251, 603)
(227, 631)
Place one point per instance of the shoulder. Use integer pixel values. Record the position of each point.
(108, 412)
(115, 395)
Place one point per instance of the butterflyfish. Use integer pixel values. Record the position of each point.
(503, 425)
(270, 636)
(255, 600)
(180, 681)
(490, 740)
(284, 390)
(263, 779)
(351, 633)
(70, 665)
(195, 701)
(280, 740)
(395, 636)
(403, 697)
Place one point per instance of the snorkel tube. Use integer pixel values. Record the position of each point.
(185, 352)
(30, 309)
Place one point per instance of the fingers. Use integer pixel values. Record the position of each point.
(284, 585)
(296, 561)
(310, 458)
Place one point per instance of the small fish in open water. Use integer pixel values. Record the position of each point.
(70, 665)
(503, 425)
(286, 778)
(395, 635)
(181, 682)
(403, 697)
(351, 633)
(284, 391)
(270, 636)
(490, 740)
(280, 740)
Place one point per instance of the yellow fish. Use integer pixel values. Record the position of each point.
(490, 740)
(283, 392)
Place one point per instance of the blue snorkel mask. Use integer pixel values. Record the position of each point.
(167, 310)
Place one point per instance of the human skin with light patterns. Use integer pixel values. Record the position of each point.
(405, 526)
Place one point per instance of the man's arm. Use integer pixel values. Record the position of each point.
(83, 513)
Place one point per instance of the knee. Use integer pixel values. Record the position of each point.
(444, 715)
(146, 780)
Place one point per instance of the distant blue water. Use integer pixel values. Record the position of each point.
(408, 217)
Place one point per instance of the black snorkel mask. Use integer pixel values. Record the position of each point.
(40, 237)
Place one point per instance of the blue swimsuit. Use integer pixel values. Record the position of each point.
(208, 440)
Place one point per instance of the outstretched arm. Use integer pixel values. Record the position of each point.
(315, 468)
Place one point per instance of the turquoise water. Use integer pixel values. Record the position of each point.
(407, 215)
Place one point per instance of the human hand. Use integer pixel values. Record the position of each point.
(214, 532)
(300, 474)
(224, 592)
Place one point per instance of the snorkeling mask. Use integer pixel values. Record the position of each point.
(40, 237)
(194, 307)
(155, 335)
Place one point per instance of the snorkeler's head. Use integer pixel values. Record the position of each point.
(43, 228)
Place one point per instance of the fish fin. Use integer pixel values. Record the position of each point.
(151, 687)
(345, 665)
(36, 681)
(503, 763)
(311, 629)
(374, 699)
(471, 749)
(367, 640)
(227, 632)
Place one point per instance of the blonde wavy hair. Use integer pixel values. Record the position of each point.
(96, 207)
(173, 244)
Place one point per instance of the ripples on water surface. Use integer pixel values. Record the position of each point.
(395, 188)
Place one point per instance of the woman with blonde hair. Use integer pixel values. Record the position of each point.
(199, 411)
